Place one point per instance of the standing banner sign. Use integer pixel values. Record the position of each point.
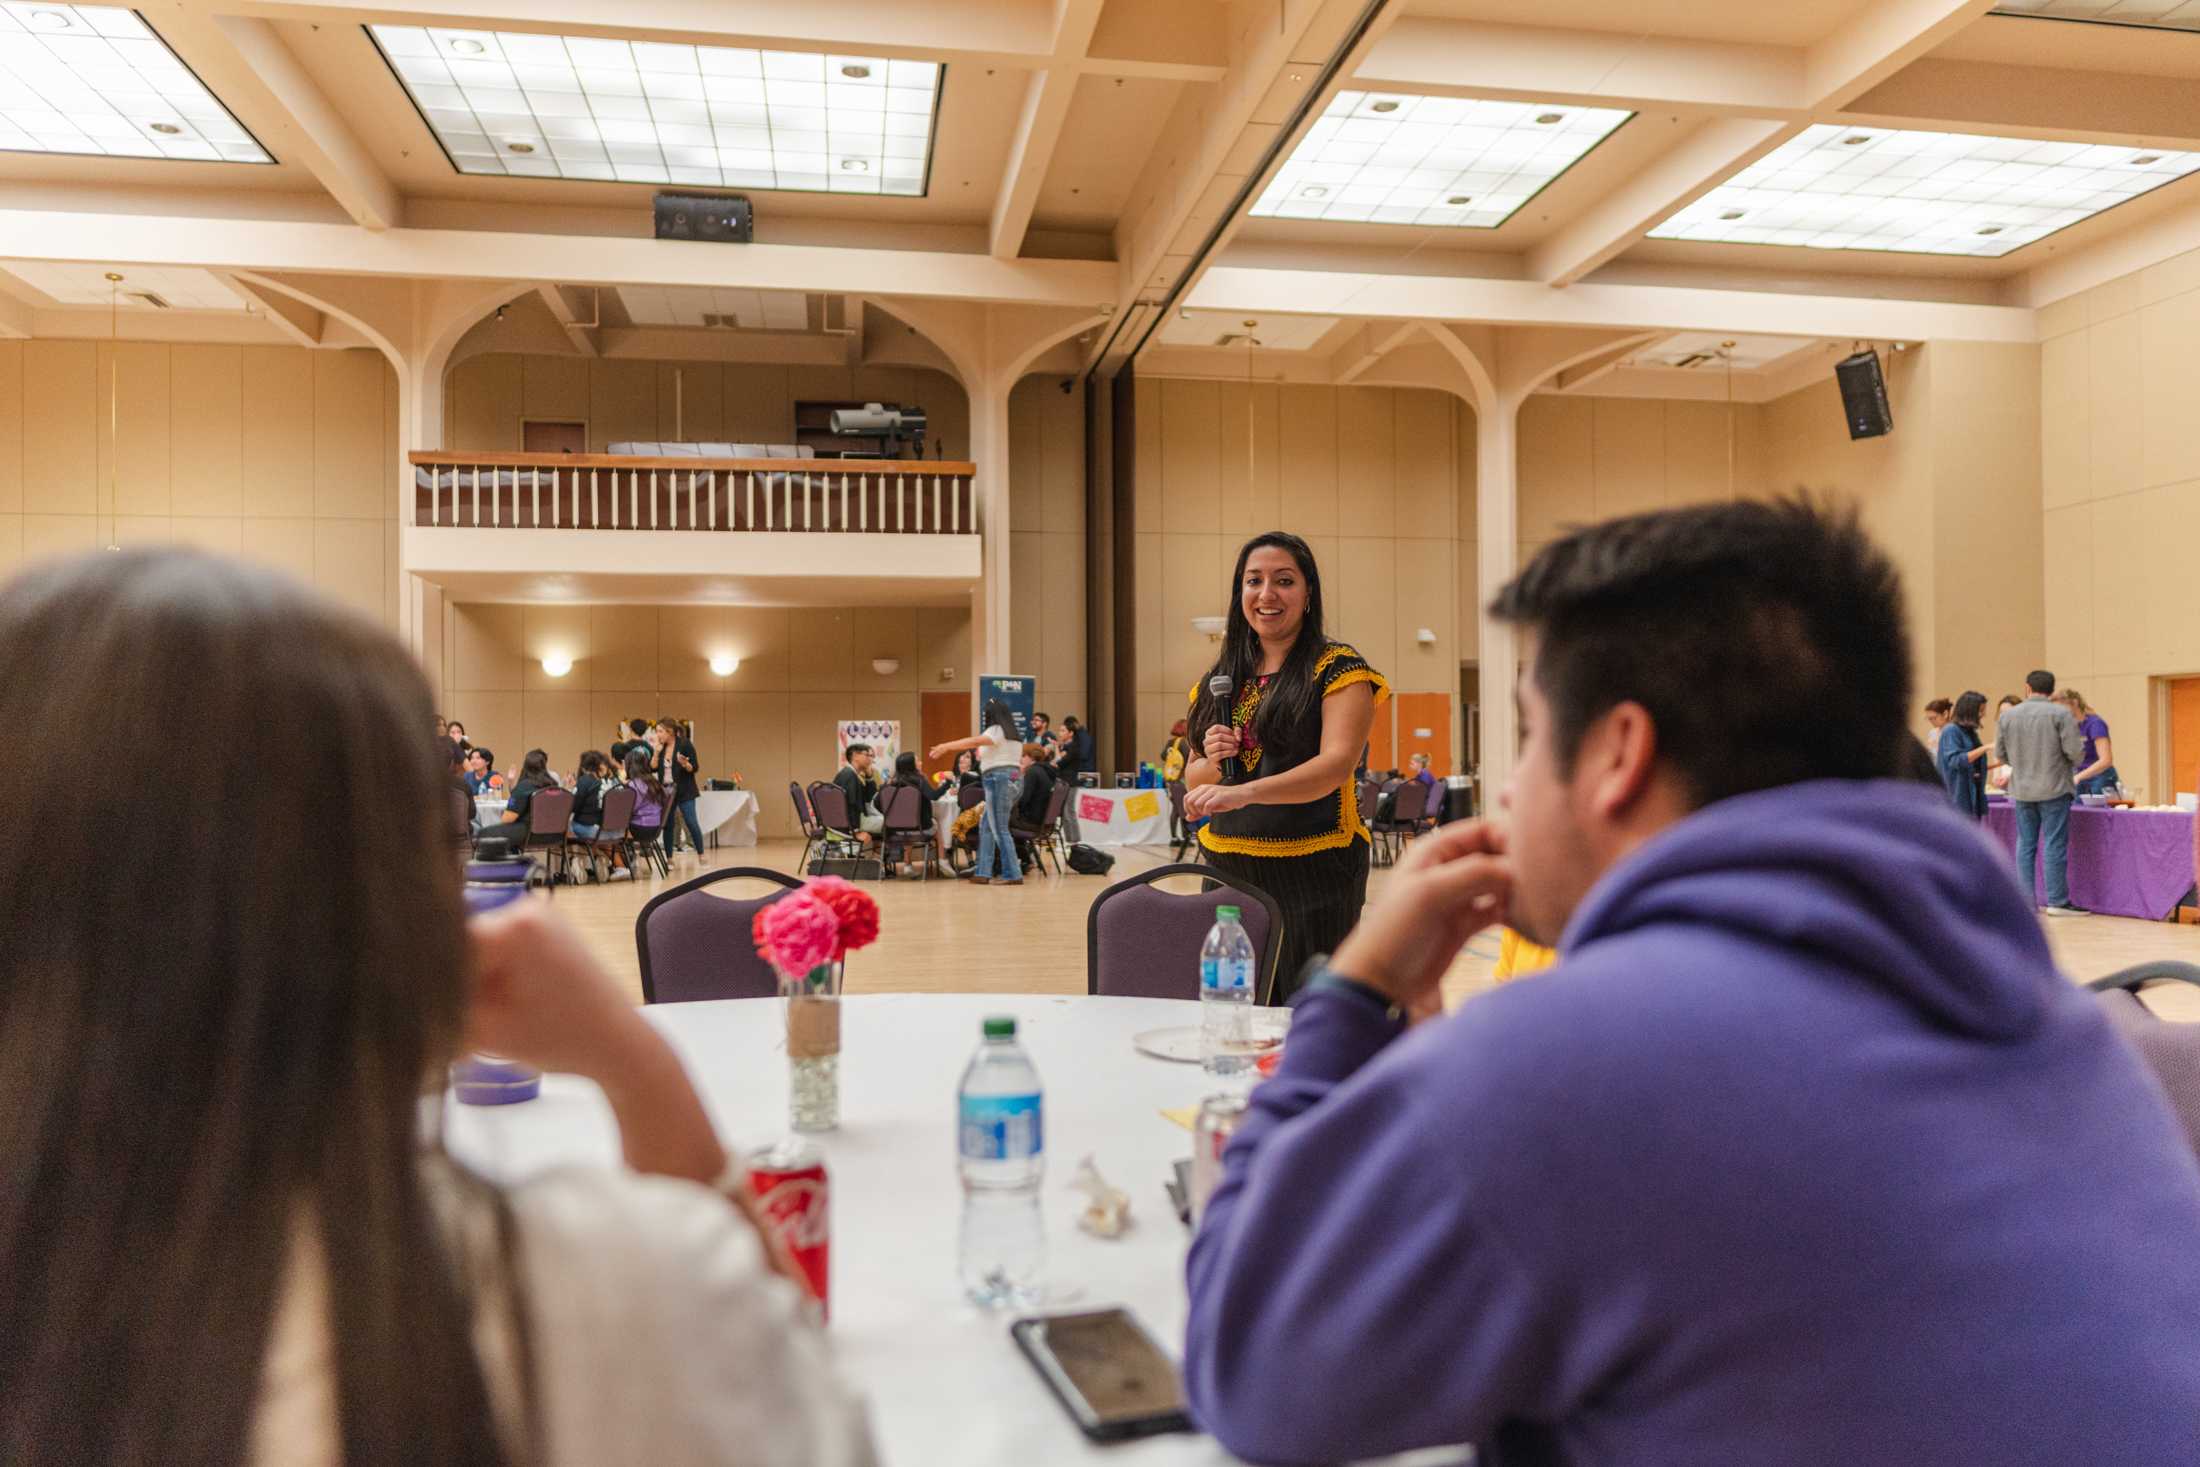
(882, 734)
(1021, 694)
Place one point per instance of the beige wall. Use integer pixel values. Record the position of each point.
(1046, 576)
(802, 671)
(1371, 477)
(485, 397)
(277, 454)
(2120, 499)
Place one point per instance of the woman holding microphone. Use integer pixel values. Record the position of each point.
(1280, 720)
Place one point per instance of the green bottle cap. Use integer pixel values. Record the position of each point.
(1000, 1026)
(1231, 912)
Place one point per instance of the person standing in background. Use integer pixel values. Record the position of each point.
(1997, 772)
(677, 765)
(1962, 755)
(2097, 765)
(1936, 719)
(998, 753)
(2039, 741)
(1073, 756)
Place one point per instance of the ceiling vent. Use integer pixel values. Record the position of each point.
(147, 298)
(1237, 338)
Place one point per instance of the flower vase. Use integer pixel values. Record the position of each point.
(813, 1047)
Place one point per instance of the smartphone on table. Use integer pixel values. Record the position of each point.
(1107, 1371)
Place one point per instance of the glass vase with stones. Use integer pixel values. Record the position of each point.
(813, 1047)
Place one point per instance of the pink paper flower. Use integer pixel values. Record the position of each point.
(797, 932)
(855, 908)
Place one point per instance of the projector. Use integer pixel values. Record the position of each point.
(724, 218)
(893, 425)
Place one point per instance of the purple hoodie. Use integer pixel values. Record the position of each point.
(1803, 1154)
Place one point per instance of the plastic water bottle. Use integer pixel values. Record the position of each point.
(1002, 1150)
(1226, 997)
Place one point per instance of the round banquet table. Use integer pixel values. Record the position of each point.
(944, 1381)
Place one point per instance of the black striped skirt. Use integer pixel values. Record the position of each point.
(1321, 894)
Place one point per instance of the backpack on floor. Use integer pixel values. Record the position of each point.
(1086, 861)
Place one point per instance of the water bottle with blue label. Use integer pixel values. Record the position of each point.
(1226, 997)
(1001, 1145)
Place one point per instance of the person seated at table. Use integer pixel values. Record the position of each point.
(906, 773)
(456, 732)
(854, 782)
(534, 775)
(481, 763)
(190, 1278)
(1804, 1153)
(647, 826)
(588, 793)
(1035, 786)
(965, 771)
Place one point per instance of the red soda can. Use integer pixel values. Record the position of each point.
(791, 1190)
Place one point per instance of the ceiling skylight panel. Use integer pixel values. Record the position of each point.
(96, 79)
(654, 112)
(1383, 158)
(1857, 188)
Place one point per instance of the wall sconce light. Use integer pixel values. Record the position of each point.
(723, 665)
(1426, 636)
(1211, 627)
(886, 666)
(557, 665)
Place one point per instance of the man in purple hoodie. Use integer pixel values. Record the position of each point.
(1803, 1154)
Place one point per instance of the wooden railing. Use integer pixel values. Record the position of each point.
(600, 491)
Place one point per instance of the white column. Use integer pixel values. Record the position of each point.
(1497, 557)
(419, 425)
(990, 633)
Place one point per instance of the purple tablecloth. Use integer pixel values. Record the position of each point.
(2131, 863)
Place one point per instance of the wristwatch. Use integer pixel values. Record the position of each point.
(1317, 976)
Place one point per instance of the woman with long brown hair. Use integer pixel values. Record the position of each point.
(1272, 775)
(224, 1238)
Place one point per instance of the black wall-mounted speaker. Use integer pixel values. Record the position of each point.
(1864, 395)
(723, 218)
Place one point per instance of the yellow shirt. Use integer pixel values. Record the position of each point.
(1517, 958)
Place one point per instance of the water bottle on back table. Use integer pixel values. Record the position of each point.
(1002, 1149)
(1226, 996)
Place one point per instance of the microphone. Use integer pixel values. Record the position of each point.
(1218, 688)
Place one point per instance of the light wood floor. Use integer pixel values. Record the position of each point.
(947, 936)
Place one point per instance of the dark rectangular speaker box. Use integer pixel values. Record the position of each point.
(1864, 395)
(723, 218)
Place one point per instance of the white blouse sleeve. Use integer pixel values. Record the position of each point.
(662, 1337)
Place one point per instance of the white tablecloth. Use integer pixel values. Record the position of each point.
(945, 1382)
(728, 816)
(1112, 817)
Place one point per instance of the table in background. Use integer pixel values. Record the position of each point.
(1113, 817)
(728, 817)
(2125, 863)
(945, 1382)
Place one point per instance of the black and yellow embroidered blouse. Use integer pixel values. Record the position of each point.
(1320, 824)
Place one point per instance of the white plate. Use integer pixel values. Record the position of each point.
(1180, 1043)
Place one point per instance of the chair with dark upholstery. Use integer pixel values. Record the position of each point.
(549, 813)
(1181, 835)
(1408, 808)
(2170, 1048)
(836, 828)
(969, 796)
(905, 832)
(694, 945)
(1143, 942)
(611, 838)
(806, 818)
(1046, 837)
(462, 818)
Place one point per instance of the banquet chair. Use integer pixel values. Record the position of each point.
(1045, 837)
(1408, 808)
(836, 827)
(969, 796)
(905, 828)
(462, 819)
(610, 838)
(1143, 942)
(693, 945)
(548, 815)
(806, 819)
(1181, 835)
(645, 844)
(2170, 1048)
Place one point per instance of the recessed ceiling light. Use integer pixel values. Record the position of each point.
(516, 145)
(95, 79)
(468, 46)
(1458, 162)
(1921, 192)
(641, 111)
(1546, 119)
(1385, 105)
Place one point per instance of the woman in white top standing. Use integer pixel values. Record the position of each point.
(223, 1236)
(999, 752)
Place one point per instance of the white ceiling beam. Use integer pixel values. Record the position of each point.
(304, 325)
(1871, 46)
(1369, 345)
(318, 136)
(15, 318)
(344, 249)
(1047, 97)
(1585, 374)
(2050, 103)
(1426, 55)
(581, 333)
(1637, 307)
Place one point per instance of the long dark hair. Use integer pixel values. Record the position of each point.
(1292, 700)
(536, 766)
(998, 712)
(906, 771)
(196, 1059)
(1969, 709)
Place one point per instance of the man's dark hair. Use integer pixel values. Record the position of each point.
(637, 726)
(1765, 640)
(1069, 721)
(848, 756)
(1040, 718)
(488, 755)
(1969, 709)
(2042, 682)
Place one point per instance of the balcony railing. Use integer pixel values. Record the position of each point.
(592, 491)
